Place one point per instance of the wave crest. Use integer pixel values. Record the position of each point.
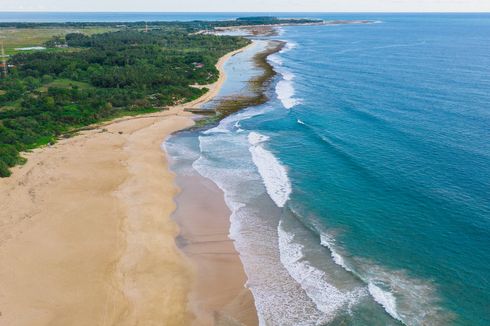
(409, 300)
(328, 298)
(273, 173)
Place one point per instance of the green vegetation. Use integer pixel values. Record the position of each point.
(112, 74)
(14, 38)
(91, 72)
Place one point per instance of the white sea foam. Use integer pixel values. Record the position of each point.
(223, 158)
(275, 59)
(280, 30)
(409, 300)
(232, 122)
(273, 173)
(288, 47)
(254, 138)
(285, 93)
(287, 75)
(327, 241)
(328, 299)
(285, 87)
(278, 298)
(384, 298)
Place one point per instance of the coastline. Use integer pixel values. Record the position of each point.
(86, 234)
(219, 295)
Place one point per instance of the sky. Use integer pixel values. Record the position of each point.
(248, 5)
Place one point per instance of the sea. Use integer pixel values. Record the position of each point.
(360, 192)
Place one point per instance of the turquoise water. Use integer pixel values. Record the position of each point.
(395, 150)
(361, 191)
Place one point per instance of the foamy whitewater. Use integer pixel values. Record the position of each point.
(358, 192)
(273, 173)
(285, 86)
(314, 281)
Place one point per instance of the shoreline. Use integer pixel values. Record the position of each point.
(219, 294)
(258, 84)
(86, 235)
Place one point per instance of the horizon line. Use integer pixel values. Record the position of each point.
(251, 12)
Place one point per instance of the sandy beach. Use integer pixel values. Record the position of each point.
(86, 236)
(218, 295)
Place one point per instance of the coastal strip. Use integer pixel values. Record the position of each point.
(218, 295)
(86, 236)
(228, 105)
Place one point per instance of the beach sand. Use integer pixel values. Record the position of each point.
(218, 296)
(86, 236)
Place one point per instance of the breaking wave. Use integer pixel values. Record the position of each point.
(273, 173)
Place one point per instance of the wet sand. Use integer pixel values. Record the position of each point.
(219, 295)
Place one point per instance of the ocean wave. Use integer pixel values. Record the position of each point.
(288, 47)
(328, 298)
(285, 90)
(323, 135)
(385, 298)
(287, 75)
(339, 147)
(279, 300)
(327, 241)
(273, 173)
(285, 93)
(254, 138)
(275, 59)
(406, 299)
(232, 122)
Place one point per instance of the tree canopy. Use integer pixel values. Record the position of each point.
(86, 79)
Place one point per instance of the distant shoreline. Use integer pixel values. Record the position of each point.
(269, 29)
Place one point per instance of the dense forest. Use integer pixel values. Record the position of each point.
(86, 79)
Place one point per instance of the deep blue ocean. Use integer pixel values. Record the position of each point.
(389, 153)
(361, 191)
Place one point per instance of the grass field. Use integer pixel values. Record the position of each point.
(13, 38)
(64, 83)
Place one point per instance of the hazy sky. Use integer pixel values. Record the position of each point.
(246, 5)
